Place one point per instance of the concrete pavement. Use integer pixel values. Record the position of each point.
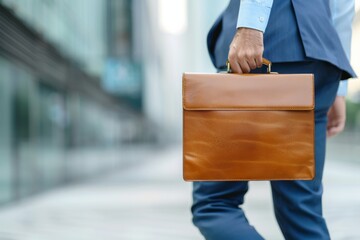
(149, 201)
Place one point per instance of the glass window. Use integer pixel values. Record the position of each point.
(50, 136)
(24, 154)
(6, 176)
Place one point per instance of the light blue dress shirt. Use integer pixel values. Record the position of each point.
(255, 14)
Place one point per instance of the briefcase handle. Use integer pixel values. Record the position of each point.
(265, 62)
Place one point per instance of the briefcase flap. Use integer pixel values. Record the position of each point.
(223, 91)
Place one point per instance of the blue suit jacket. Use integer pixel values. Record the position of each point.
(297, 30)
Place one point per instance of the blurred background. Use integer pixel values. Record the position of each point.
(91, 122)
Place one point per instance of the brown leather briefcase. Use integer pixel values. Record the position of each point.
(248, 127)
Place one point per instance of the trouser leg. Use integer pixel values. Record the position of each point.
(298, 204)
(216, 211)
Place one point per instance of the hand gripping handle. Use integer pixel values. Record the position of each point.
(264, 62)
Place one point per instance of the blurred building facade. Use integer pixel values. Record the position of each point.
(58, 121)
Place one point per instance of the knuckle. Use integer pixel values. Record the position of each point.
(231, 57)
(248, 54)
(240, 55)
(259, 53)
(232, 47)
(231, 54)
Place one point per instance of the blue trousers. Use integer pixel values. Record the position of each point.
(216, 206)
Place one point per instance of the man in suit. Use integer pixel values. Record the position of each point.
(298, 37)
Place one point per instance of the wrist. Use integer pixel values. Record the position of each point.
(246, 29)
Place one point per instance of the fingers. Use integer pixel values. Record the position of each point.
(244, 62)
(235, 66)
(243, 65)
(336, 117)
(334, 128)
(252, 63)
(245, 68)
(258, 60)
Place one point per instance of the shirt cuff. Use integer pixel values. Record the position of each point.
(254, 14)
(343, 88)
